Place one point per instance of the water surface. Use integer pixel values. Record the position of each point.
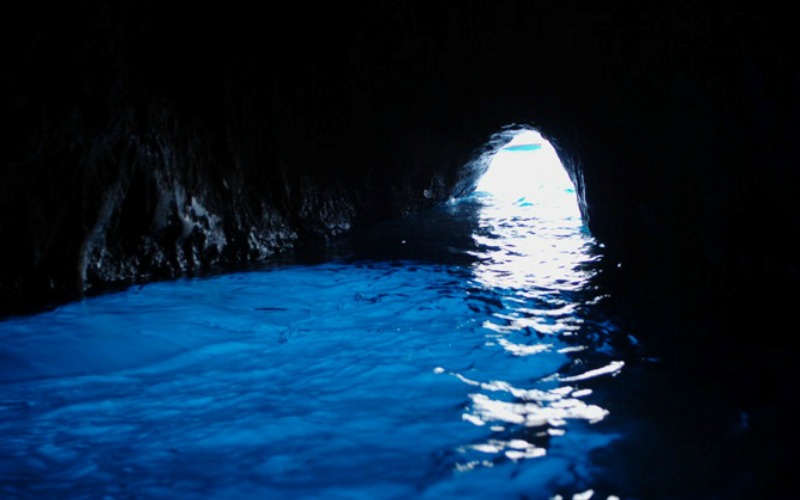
(464, 353)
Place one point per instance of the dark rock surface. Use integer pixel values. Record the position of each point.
(143, 140)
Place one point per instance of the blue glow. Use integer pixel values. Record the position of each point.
(370, 379)
(363, 379)
(366, 378)
(523, 147)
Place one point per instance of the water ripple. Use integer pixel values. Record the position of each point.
(364, 378)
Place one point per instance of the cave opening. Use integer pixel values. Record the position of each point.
(524, 169)
(530, 233)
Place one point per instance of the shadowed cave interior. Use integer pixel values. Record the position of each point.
(146, 142)
(150, 142)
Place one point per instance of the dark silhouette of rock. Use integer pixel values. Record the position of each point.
(144, 140)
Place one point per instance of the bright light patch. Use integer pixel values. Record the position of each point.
(528, 170)
(538, 235)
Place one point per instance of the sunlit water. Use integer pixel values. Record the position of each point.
(464, 353)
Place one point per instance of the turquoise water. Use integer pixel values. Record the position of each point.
(464, 353)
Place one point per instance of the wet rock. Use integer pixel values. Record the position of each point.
(146, 140)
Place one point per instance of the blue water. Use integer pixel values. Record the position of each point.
(464, 353)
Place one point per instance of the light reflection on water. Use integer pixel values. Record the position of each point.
(533, 247)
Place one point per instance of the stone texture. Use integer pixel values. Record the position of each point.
(145, 140)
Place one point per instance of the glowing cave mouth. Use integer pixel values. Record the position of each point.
(527, 171)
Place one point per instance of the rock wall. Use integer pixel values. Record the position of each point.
(145, 140)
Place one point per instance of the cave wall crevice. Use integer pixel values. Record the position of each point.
(146, 140)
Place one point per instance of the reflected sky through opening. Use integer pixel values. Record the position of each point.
(533, 250)
(537, 232)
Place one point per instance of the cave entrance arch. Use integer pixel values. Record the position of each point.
(524, 169)
(531, 235)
